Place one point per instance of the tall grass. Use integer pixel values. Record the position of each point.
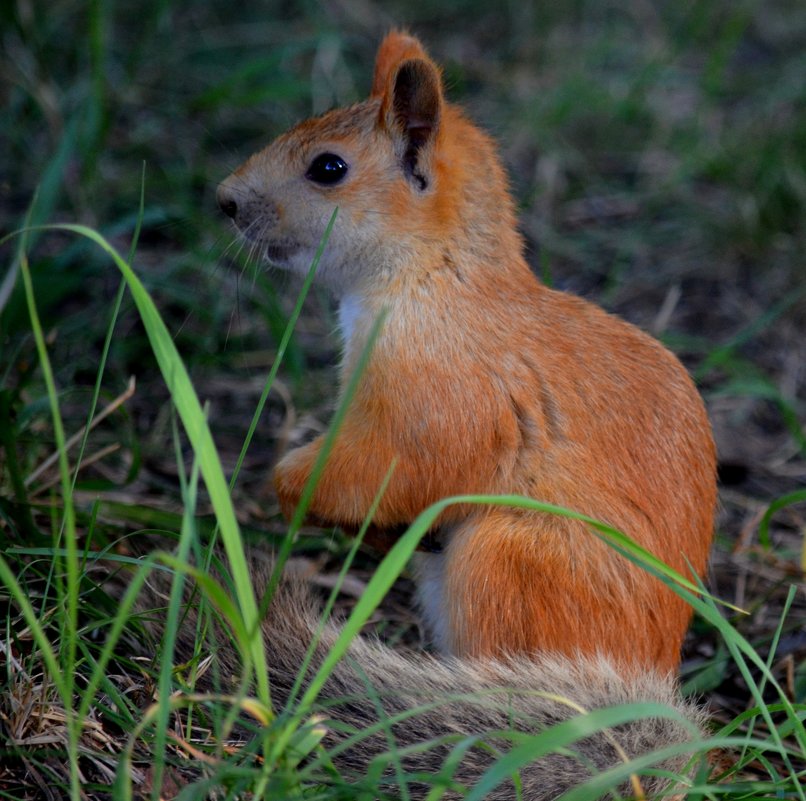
(773, 730)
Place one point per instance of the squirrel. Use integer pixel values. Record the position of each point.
(481, 380)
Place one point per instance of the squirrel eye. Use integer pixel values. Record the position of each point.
(327, 169)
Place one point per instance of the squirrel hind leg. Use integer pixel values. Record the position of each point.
(527, 583)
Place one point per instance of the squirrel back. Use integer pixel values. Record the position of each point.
(482, 380)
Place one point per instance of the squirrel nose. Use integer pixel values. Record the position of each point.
(226, 201)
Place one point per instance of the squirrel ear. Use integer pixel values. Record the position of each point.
(411, 112)
(409, 86)
(396, 47)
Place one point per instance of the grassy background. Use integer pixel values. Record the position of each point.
(658, 154)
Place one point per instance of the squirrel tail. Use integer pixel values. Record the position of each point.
(466, 711)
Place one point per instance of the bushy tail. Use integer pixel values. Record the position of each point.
(451, 702)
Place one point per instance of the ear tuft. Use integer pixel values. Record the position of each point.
(409, 86)
(396, 47)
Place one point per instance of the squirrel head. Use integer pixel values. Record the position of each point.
(400, 166)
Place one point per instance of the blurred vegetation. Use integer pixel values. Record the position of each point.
(657, 151)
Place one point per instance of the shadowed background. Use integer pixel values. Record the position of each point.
(658, 155)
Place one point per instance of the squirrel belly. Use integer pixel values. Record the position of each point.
(482, 380)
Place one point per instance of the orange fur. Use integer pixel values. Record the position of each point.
(483, 380)
(395, 48)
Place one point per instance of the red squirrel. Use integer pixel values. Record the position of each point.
(482, 380)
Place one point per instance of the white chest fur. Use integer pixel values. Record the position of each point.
(350, 309)
(430, 572)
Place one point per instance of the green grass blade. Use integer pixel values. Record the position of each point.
(624, 544)
(190, 412)
(307, 492)
(331, 601)
(20, 597)
(70, 588)
(281, 349)
(116, 304)
(563, 734)
(187, 534)
(791, 498)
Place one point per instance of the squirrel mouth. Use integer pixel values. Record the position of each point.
(280, 252)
